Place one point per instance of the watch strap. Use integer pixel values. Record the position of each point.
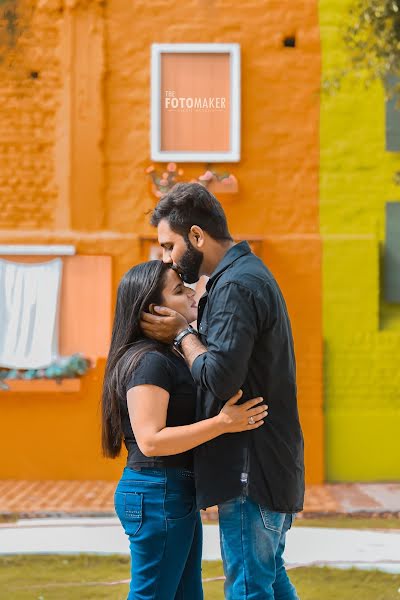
(178, 340)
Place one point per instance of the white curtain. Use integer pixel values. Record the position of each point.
(29, 299)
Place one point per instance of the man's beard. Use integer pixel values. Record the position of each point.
(190, 263)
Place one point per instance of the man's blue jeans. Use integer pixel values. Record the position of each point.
(158, 513)
(252, 544)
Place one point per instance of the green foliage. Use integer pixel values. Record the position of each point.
(8, 24)
(66, 367)
(372, 39)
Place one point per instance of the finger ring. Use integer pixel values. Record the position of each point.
(251, 421)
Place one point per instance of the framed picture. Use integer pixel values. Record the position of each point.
(195, 102)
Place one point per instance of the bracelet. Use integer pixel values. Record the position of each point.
(183, 334)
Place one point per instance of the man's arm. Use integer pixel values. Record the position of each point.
(233, 327)
(191, 348)
(166, 325)
(234, 323)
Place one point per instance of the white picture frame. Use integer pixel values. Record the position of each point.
(160, 155)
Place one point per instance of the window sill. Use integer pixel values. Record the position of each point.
(43, 385)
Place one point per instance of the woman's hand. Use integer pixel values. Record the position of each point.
(235, 417)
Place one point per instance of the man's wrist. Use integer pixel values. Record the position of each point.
(189, 330)
(182, 328)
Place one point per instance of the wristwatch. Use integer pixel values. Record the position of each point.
(178, 340)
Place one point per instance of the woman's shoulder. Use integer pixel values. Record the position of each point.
(171, 360)
(154, 359)
(168, 361)
(165, 358)
(155, 367)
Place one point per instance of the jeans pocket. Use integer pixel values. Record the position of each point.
(129, 509)
(272, 520)
(179, 507)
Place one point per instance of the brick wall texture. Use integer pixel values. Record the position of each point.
(313, 179)
(30, 79)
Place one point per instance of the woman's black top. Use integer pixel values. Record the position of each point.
(170, 372)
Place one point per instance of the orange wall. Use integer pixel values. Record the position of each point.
(297, 265)
(47, 435)
(278, 172)
(102, 201)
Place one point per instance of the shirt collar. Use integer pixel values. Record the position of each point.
(237, 251)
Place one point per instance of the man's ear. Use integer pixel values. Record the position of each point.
(196, 235)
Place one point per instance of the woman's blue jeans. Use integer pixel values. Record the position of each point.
(157, 510)
(252, 544)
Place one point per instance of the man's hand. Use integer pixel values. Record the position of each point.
(163, 328)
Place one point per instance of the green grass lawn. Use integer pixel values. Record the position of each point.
(345, 522)
(350, 523)
(86, 577)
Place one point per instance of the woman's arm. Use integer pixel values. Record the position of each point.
(148, 404)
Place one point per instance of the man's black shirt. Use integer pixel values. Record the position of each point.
(244, 324)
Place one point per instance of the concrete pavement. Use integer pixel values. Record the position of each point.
(305, 546)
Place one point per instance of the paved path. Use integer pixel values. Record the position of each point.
(305, 545)
(89, 498)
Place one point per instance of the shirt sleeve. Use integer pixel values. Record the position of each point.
(153, 369)
(233, 326)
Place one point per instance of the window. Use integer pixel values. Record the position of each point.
(392, 253)
(29, 302)
(84, 303)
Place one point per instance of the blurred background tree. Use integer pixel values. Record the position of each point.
(372, 39)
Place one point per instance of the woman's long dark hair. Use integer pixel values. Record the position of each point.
(140, 286)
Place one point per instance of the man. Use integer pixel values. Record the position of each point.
(244, 341)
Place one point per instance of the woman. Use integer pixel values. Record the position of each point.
(149, 401)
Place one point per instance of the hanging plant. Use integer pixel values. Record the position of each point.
(161, 184)
(164, 182)
(66, 367)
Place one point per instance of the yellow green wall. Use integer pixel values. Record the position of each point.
(361, 333)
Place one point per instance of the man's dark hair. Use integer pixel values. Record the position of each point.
(189, 204)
